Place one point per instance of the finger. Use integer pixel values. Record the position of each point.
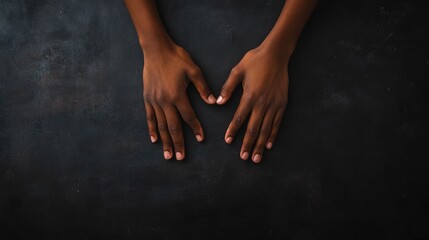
(252, 132)
(163, 132)
(151, 121)
(264, 133)
(231, 83)
(276, 125)
(188, 115)
(175, 129)
(196, 77)
(240, 116)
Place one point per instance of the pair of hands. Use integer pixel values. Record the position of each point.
(262, 73)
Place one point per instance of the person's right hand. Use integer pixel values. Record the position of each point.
(166, 73)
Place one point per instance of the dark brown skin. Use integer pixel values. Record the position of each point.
(262, 72)
(167, 71)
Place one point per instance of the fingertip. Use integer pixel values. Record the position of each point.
(220, 100)
(269, 145)
(211, 99)
(179, 156)
(257, 158)
(228, 140)
(244, 155)
(199, 138)
(152, 139)
(167, 155)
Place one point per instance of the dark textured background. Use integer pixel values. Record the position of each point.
(77, 163)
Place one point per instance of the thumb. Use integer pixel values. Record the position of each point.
(228, 88)
(196, 77)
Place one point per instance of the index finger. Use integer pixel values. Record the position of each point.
(240, 116)
(188, 115)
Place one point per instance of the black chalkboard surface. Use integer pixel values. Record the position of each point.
(350, 161)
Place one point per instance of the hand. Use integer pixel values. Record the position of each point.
(166, 74)
(264, 77)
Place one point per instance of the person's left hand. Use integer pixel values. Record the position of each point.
(264, 77)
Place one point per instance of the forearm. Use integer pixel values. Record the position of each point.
(150, 31)
(285, 33)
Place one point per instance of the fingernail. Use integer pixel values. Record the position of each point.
(219, 100)
(257, 158)
(228, 140)
(245, 155)
(212, 99)
(152, 138)
(167, 155)
(199, 138)
(179, 156)
(269, 145)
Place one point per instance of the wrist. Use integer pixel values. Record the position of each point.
(278, 47)
(281, 50)
(156, 41)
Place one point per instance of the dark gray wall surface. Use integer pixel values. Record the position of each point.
(76, 161)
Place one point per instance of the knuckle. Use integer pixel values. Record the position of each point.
(235, 71)
(174, 129)
(160, 98)
(148, 97)
(248, 97)
(162, 128)
(182, 52)
(150, 117)
(265, 132)
(192, 120)
(174, 97)
(252, 132)
(195, 72)
(226, 90)
(238, 120)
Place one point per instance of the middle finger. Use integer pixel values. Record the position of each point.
(175, 129)
(252, 131)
